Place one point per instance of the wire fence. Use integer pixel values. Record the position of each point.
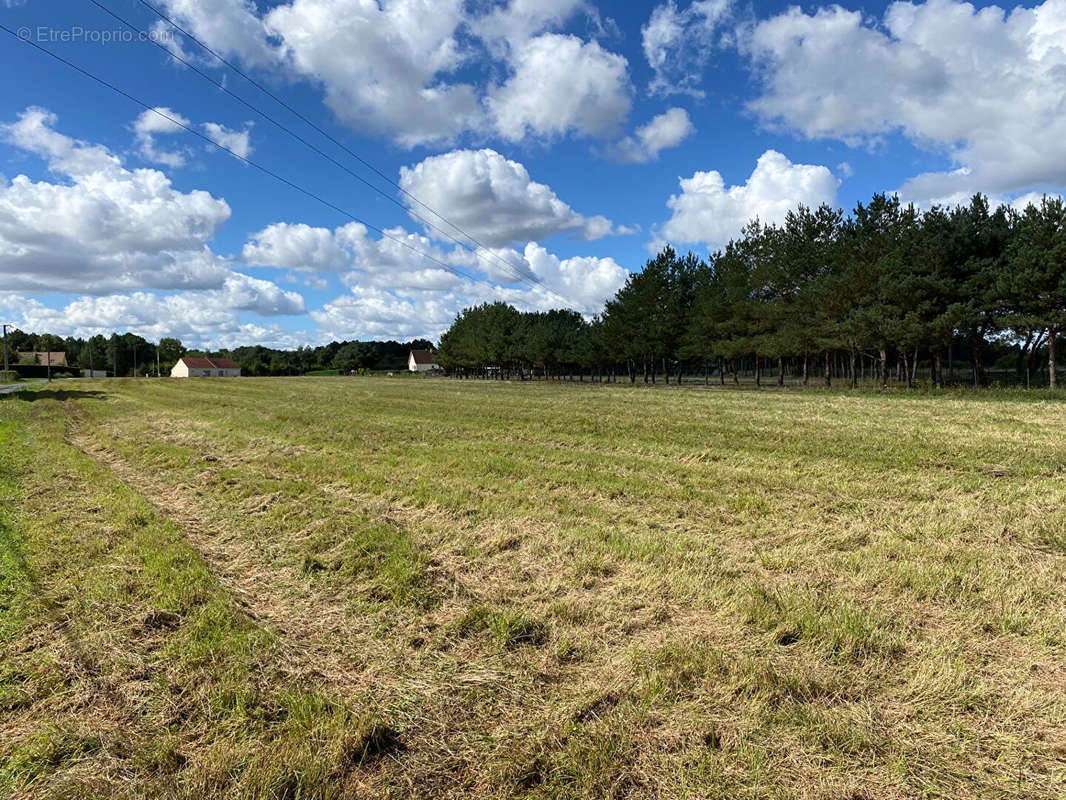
(959, 376)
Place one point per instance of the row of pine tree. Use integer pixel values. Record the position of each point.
(822, 294)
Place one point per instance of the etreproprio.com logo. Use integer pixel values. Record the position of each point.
(76, 34)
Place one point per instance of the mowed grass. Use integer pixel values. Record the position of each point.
(381, 588)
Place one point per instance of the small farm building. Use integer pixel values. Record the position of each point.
(422, 361)
(205, 368)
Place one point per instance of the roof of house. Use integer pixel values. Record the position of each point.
(209, 363)
(41, 357)
(424, 356)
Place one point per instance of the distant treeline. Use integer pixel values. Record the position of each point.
(128, 354)
(342, 356)
(875, 293)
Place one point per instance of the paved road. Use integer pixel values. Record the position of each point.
(8, 388)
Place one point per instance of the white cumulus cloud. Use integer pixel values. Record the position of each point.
(163, 121)
(561, 85)
(403, 68)
(400, 285)
(708, 211)
(159, 121)
(237, 142)
(678, 43)
(396, 260)
(199, 319)
(985, 86)
(386, 68)
(376, 311)
(298, 246)
(231, 27)
(404, 263)
(109, 234)
(666, 130)
(518, 21)
(585, 281)
(494, 199)
(108, 228)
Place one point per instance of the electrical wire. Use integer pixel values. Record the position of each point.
(177, 123)
(521, 275)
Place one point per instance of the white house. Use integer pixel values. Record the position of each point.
(422, 361)
(188, 367)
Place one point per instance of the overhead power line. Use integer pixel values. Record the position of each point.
(521, 275)
(307, 192)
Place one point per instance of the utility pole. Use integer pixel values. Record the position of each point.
(48, 365)
(157, 361)
(6, 326)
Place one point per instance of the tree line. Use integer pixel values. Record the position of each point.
(822, 295)
(128, 355)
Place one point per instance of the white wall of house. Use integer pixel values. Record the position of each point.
(413, 367)
(182, 370)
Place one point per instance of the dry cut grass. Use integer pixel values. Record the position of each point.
(374, 588)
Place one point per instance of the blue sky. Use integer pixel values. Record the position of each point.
(571, 139)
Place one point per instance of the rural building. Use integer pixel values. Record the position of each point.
(56, 359)
(422, 361)
(188, 367)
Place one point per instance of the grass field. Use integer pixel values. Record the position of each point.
(344, 587)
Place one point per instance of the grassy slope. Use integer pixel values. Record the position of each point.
(429, 588)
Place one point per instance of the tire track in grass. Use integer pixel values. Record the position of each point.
(324, 642)
(134, 673)
(312, 627)
(311, 622)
